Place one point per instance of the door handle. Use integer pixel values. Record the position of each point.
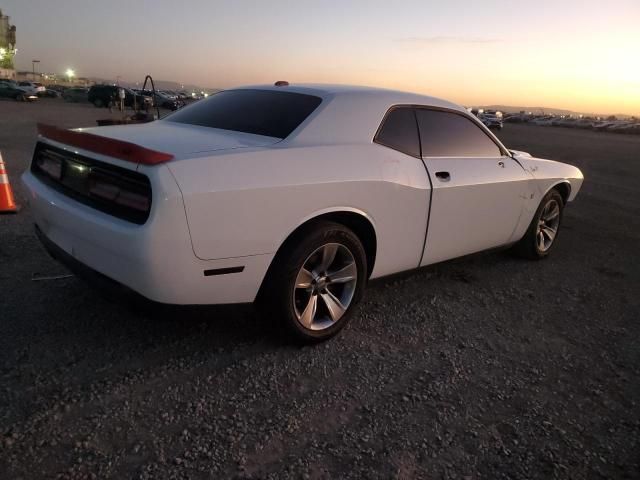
(444, 176)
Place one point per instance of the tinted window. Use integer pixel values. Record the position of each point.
(400, 132)
(261, 112)
(445, 134)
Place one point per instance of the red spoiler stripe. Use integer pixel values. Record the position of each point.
(127, 151)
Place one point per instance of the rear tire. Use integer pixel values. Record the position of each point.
(316, 282)
(543, 231)
(21, 97)
(98, 103)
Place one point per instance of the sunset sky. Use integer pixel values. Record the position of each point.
(580, 55)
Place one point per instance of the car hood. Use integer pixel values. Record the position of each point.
(179, 139)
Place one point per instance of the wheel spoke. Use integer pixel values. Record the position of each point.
(328, 256)
(540, 237)
(309, 312)
(336, 309)
(345, 274)
(549, 232)
(304, 278)
(553, 214)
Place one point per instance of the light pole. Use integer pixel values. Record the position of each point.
(33, 68)
(70, 74)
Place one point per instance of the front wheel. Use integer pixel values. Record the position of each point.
(317, 282)
(543, 230)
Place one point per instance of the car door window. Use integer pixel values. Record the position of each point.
(400, 131)
(448, 134)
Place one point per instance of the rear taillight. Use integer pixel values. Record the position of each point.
(51, 165)
(121, 192)
(117, 191)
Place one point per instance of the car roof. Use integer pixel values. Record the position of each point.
(349, 114)
(383, 94)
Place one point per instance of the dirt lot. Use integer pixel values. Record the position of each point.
(487, 367)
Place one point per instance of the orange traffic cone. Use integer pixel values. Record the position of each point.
(7, 204)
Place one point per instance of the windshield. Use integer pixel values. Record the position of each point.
(260, 112)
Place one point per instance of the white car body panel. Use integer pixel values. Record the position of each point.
(231, 199)
(31, 88)
(270, 198)
(479, 206)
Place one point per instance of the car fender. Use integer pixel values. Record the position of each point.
(325, 211)
(549, 174)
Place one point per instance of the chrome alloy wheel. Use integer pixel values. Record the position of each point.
(548, 225)
(325, 286)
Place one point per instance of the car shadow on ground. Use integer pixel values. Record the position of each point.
(223, 326)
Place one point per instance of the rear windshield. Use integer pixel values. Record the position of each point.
(261, 112)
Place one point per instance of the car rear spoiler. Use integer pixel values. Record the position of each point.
(127, 151)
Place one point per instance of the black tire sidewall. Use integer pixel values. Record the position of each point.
(291, 261)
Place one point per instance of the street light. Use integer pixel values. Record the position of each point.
(33, 67)
(70, 73)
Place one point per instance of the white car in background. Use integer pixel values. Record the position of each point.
(293, 196)
(32, 88)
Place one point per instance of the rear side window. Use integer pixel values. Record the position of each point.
(400, 132)
(446, 134)
(261, 112)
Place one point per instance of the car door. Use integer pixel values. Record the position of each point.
(478, 191)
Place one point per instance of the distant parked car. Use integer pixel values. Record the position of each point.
(105, 95)
(161, 99)
(57, 88)
(76, 95)
(31, 87)
(492, 121)
(49, 93)
(8, 81)
(10, 90)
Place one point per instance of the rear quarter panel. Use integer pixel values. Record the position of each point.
(247, 202)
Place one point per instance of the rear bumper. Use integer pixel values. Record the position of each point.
(80, 269)
(156, 259)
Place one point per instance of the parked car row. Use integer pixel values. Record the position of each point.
(21, 91)
(102, 96)
(108, 95)
(10, 90)
(630, 126)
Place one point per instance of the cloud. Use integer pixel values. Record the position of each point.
(446, 39)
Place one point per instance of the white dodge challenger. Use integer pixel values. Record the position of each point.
(293, 196)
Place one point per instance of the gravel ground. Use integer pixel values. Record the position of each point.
(485, 367)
